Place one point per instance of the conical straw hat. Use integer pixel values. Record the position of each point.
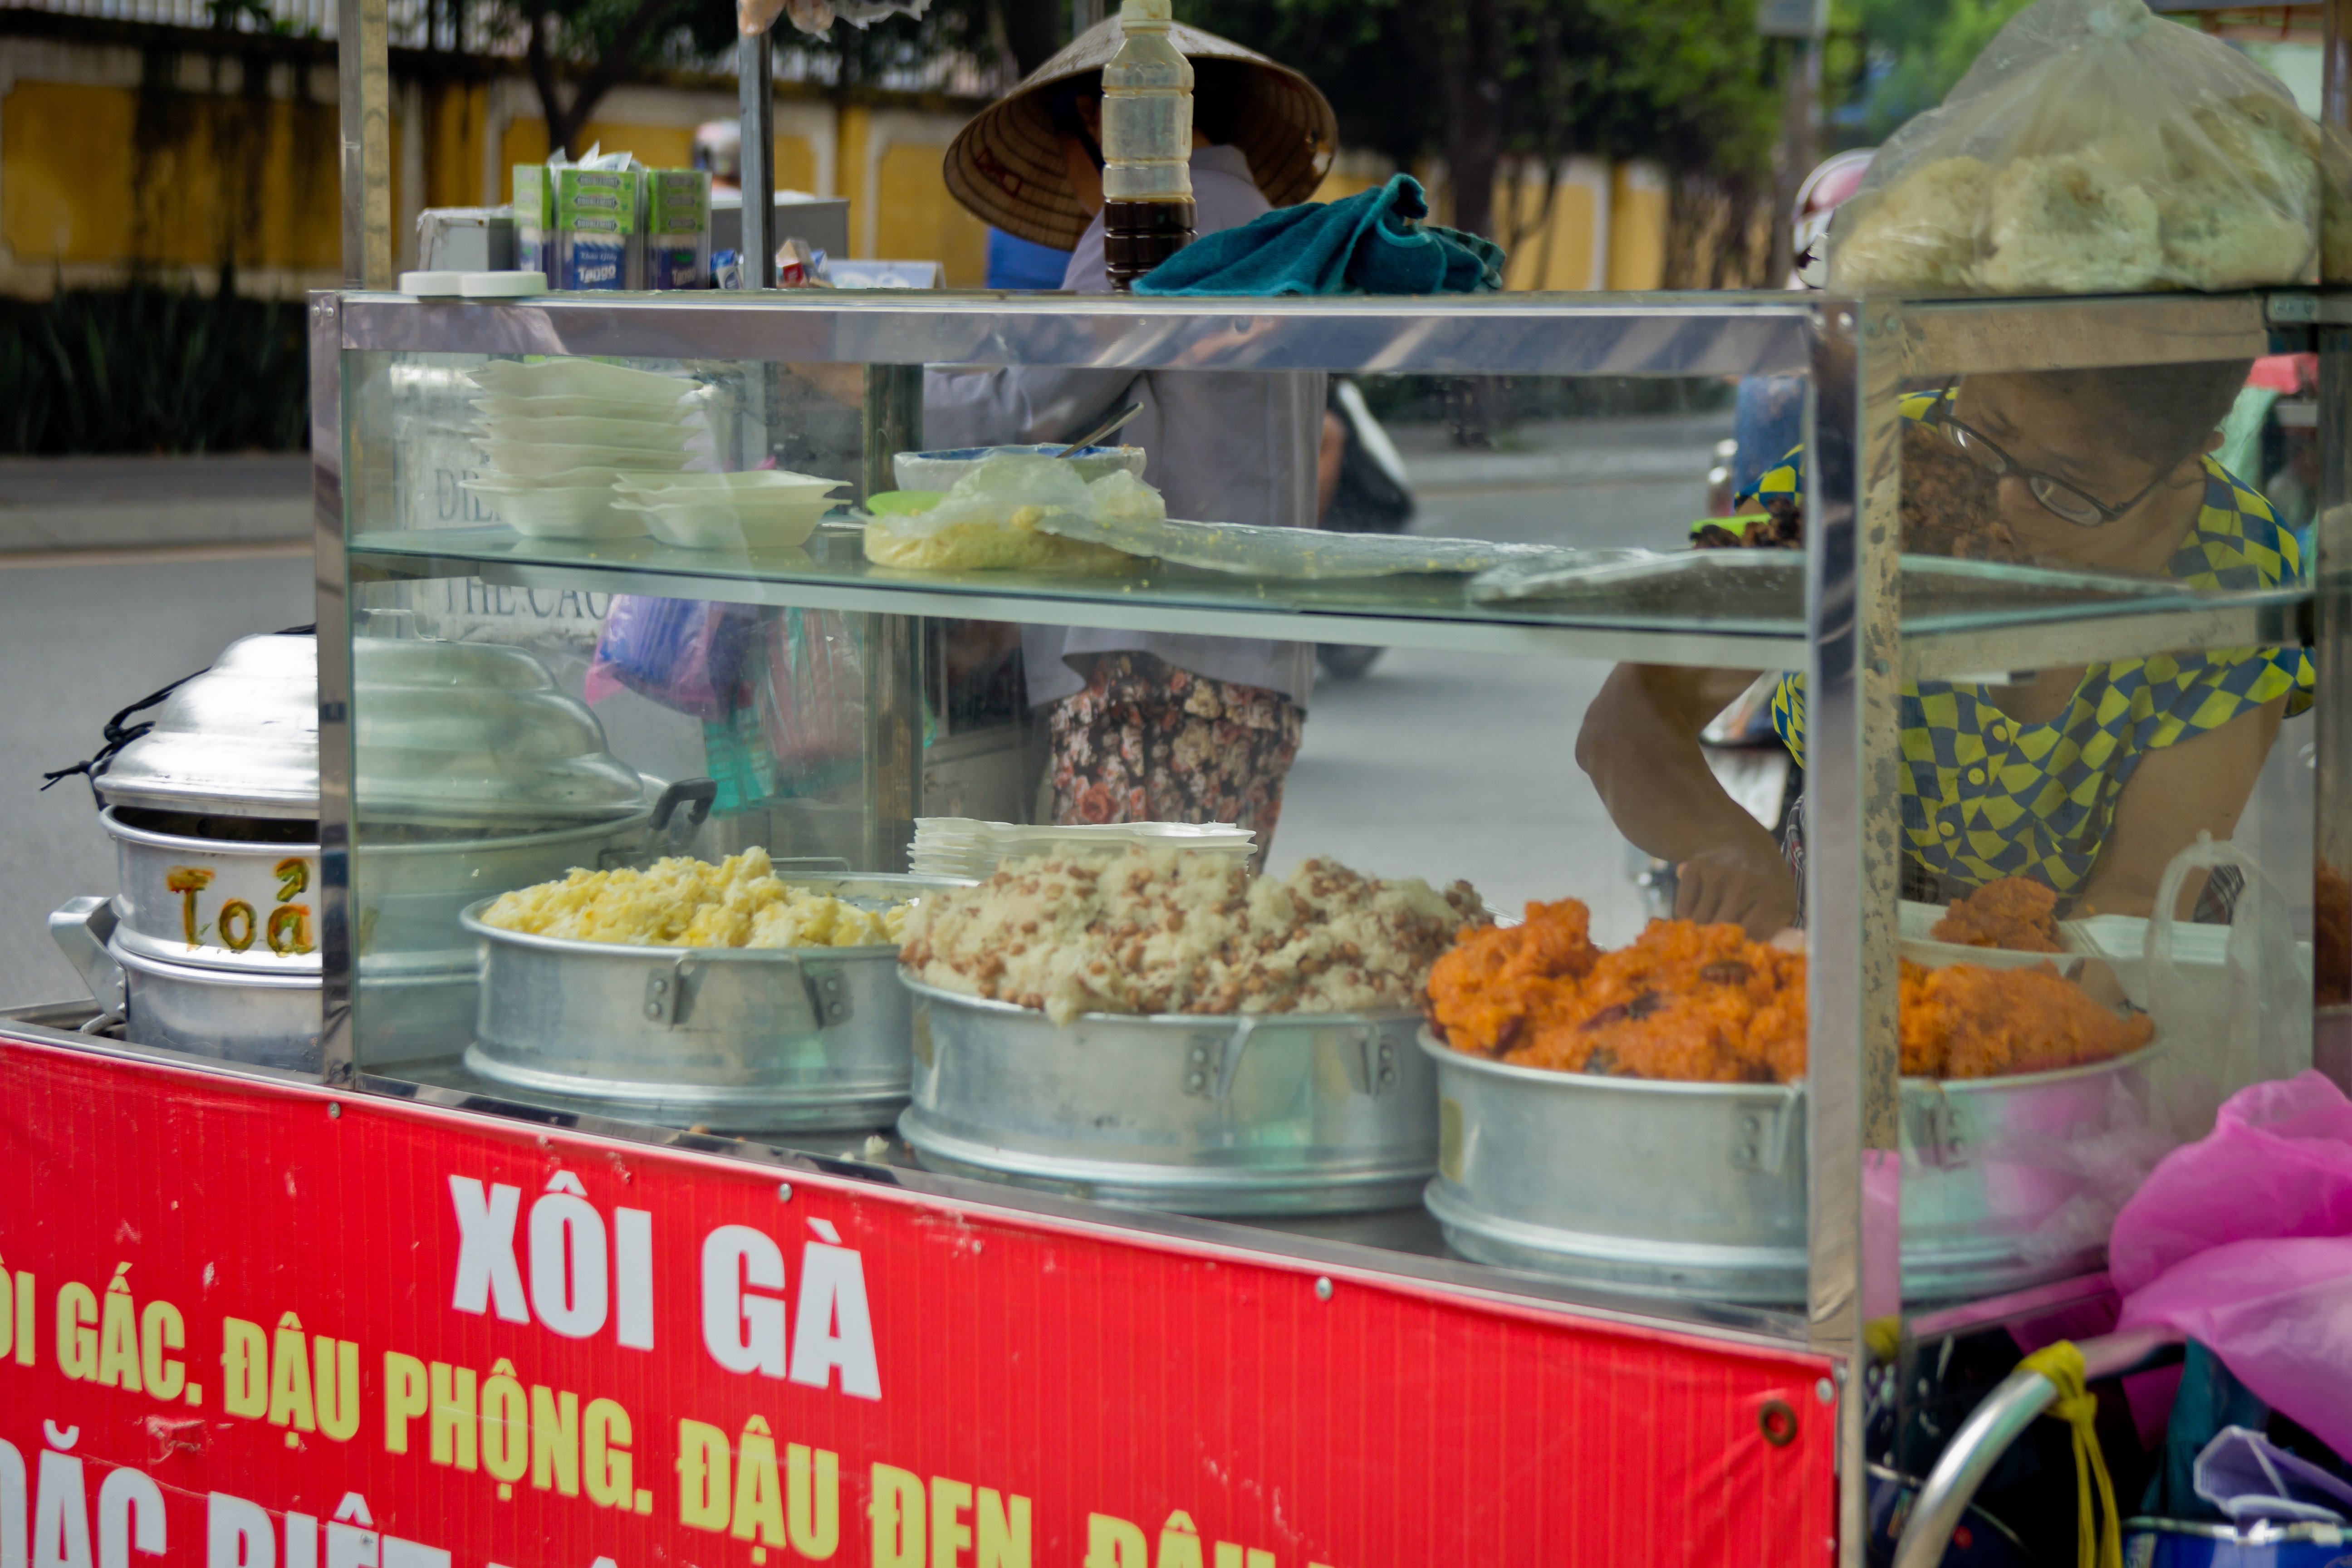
(1005, 166)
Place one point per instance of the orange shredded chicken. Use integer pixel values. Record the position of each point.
(1962, 1021)
(1694, 1004)
(2015, 912)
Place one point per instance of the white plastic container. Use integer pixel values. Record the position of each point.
(781, 522)
(567, 512)
(623, 435)
(540, 460)
(578, 378)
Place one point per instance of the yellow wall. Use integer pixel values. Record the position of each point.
(222, 178)
(1637, 236)
(456, 121)
(256, 180)
(1557, 254)
(917, 219)
(1341, 183)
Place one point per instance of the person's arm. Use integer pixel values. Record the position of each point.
(1640, 747)
(2199, 783)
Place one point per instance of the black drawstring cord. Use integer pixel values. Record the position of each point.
(120, 735)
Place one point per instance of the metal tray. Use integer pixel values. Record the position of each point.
(1697, 1191)
(741, 1039)
(1270, 1113)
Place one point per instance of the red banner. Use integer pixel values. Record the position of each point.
(247, 1326)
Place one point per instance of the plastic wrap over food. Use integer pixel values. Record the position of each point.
(753, 17)
(2096, 148)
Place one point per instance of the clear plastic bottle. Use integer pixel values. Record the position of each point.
(1147, 143)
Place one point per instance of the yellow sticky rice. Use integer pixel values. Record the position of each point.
(684, 903)
(1016, 546)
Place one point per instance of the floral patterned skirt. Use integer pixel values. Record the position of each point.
(1146, 741)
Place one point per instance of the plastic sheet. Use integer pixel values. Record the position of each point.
(2243, 1241)
(2094, 148)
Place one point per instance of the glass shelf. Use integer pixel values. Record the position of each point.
(1736, 609)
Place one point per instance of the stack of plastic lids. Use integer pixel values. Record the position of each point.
(965, 847)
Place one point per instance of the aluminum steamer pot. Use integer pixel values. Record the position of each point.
(741, 1039)
(1265, 1114)
(1697, 1190)
(261, 1013)
(246, 907)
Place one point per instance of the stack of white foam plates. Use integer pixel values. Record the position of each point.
(964, 846)
(557, 433)
(765, 509)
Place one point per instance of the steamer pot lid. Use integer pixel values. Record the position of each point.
(446, 732)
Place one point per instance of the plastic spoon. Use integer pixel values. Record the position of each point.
(1101, 430)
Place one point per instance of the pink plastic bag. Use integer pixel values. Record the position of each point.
(2243, 1241)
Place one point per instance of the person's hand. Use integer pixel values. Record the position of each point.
(1746, 884)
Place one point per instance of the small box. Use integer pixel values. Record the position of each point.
(577, 227)
(532, 220)
(677, 228)
(594, 226)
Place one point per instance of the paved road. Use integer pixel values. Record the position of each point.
(83, 641)
(1446, 765)
(1435, 765)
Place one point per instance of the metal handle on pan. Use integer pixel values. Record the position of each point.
(1213, 1078)
(702, 794)
(1208, 1076)
(1992, 1426)
(81, 927)
(670, 988)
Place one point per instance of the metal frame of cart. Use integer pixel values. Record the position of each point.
(1850, 644)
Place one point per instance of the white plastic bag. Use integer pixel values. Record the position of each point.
(2095, 147)
(753, 17)
(2249, 1024)
(995, 491)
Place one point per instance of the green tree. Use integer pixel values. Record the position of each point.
(579, 50)
(1478, 81)
(1890, 59)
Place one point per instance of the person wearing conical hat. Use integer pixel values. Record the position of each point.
(1148, 726)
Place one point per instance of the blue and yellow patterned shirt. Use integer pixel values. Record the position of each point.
(1986, 796)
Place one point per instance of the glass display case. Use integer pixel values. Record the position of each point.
(1997, 664)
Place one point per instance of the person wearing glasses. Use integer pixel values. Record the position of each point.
(2087, 779)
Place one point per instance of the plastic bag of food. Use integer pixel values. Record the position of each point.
(2251, 1023)
(808, 686)
(999, 489)
(683, 654)
(2094, 148)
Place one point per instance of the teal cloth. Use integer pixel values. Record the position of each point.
(1373, 242)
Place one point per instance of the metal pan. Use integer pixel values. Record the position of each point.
(1697, 1190)
(744, 1039)
(1256, 1114)
(262, 1013)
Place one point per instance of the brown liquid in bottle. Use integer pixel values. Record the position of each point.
(1139, 236)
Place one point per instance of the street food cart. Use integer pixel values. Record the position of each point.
(548, 1261)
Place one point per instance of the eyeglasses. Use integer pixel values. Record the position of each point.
(2061, 500)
